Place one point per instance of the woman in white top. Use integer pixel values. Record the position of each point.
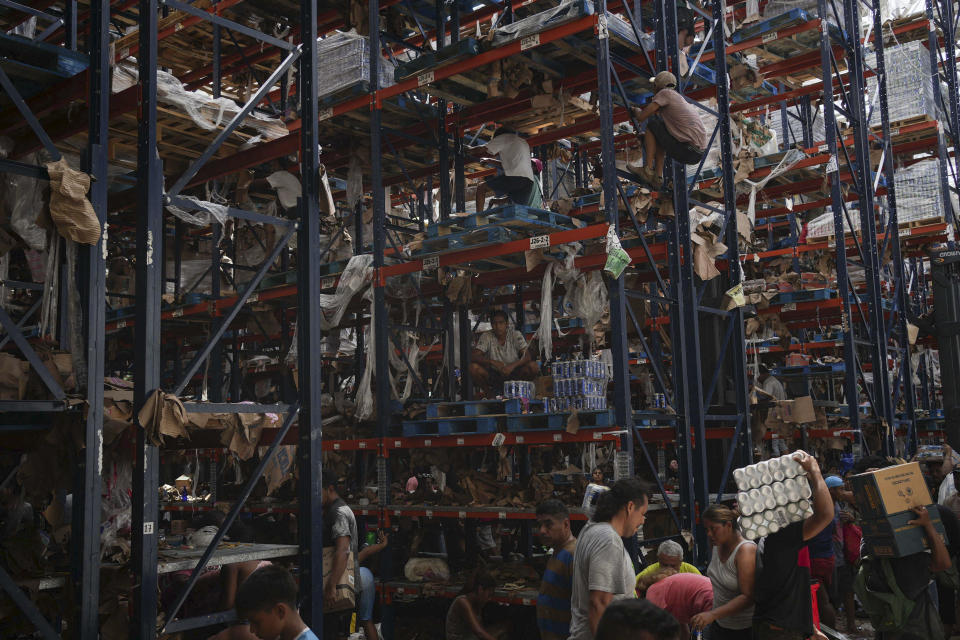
(731, 571)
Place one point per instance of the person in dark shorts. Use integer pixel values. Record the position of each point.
(518, 181)
(673, 129)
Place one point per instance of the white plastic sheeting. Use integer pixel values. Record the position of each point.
(790, 158)
(206, 213)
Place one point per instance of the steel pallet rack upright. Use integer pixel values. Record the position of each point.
(944, 31)
(18, 415)
(152, 197)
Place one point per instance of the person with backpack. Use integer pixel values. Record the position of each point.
(784, 609)
(896, 592)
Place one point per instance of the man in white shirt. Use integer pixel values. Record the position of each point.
(770, 388)
(518, 182)
(501, 354)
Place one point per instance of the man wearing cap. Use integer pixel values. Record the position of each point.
(518, 181)
(674, 129)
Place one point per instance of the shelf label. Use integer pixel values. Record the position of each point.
(502, 515)
(499, 439)
(769, 37)
(790, 306)
(431, 262)
(462, 515)
(832, 165)
(428, 513)
(424, 78)
(530, 42)
(895, 132)
(823, 148)
(602, 32)
(396, 444)
(520, 439)
(763, 349)
(325, 114)
(396, 512)
(362, 444)
(597, 435)
(253, 297)
(336, 446)
(460, 441)
(427, 443)
(557, 437)
(121, 324)
(538, 242)
(526, 601)
(327, 283)
(177, 313)
(147, 528)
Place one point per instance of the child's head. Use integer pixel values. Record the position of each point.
(268, 601)
(480, 584)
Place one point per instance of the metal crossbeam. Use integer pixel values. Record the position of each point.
(27, 607)
(27, 114)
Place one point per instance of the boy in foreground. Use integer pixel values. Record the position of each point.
(268, 601)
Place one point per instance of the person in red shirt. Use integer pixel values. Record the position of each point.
(683, 595)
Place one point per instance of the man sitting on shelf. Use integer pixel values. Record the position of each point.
(501, 354)
(769, 391)
(518, 181)
(674, 129)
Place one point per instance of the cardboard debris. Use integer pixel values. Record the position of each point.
(797, 411)
(13, 377)
(573, 422)
(280, 467)
(912, 332)
(70, 209)
(703, 264)
(163, 415)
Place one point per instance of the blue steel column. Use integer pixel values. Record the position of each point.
(940, 14)
(836, 195)
(622, 408)
(692, 381)
(309, 521)
(86, 526)
(737, 348)
(882, 392)
(146, 370)
(893, 233)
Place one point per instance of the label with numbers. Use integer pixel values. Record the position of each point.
(121, 324)
(396, 444)
(763, 350)
(557, 437)
(502, 515)
(431, 262)
(428, 513)
(822, 148)
(177, 313)
(769, 37)
(536, 242)
(790, 306)
(253, 297)
(147, 528)
(895, 132)
(832, 165)
(526, 601)
(325, 114)
(460, 441)
(530, 42)
(362, 444)
(520, 439)
(427, 443)
(461, 514)
(327, 283)
(424, 78)
(597, 435)
(336, 446)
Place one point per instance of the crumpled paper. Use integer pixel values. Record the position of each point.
(163, 414)
(70, 209)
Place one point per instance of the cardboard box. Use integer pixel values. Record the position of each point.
(893, 537)
(543, 387)
(798, 410)
(346, 585)
(890, 491)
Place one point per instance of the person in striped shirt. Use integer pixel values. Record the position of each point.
(553, 603)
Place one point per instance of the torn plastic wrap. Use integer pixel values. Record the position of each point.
(345, 62)
(23, 203)
(354, 181)
(544, 334)
(536, 23)
(205, 213)
(364, 399)
(790, 158)
(207, 112)
(355, 276)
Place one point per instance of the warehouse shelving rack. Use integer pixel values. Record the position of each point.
(702, 413)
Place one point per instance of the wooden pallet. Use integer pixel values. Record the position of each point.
(914, 224)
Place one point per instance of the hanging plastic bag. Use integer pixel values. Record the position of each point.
(617, 258)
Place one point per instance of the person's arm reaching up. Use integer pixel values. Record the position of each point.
(822, 502)
(941, 557)
(373, 549)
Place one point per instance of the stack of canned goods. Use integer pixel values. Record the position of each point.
(772, 494)
(578, 384)
(659, 401)
(520, 389)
